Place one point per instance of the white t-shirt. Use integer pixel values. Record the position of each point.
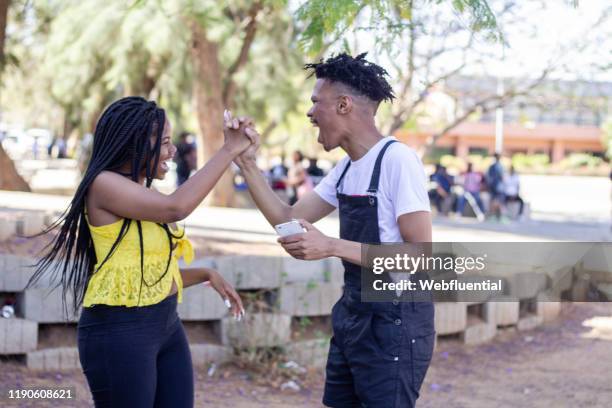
(511, 184)
(401, 189)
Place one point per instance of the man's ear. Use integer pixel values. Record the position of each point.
(345, 105)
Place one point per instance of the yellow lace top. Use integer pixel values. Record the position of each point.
(118, 281)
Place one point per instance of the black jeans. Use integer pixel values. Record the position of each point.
(136, 356)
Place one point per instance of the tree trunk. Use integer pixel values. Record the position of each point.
(208, 96)
(9, 178)
(4, 5)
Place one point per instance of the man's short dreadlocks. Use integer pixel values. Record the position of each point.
(364, 77)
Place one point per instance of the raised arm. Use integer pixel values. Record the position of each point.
(124, 198)
(311, 207)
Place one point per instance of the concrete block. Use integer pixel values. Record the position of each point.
(560, 280)
(450, 317)
(605, 290)
(548, 306)
(580, 289)
(308, 353)
(17, 336)
(489, 314)
(54, 359)
(204, 354)
(225, 266)
(257, 272)
(599, 259)
(206, 262)
(15, 271)
(8, 228)
(478, 332)
(525, 285)
(309, 299)
(334, 270)
(256, 330)
(296, 270)
(31, 223)
(529, 322)
(504, 312)
(222, 264)
(201, 303)
(593, 276)
(45, 306)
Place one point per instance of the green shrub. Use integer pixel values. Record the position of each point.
(522, 161)
(578, 160)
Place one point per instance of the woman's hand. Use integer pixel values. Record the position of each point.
(249, 156)
(228, 294)
(237, 139)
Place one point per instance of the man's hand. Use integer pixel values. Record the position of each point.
(249, 156)
(237, 139)
(310, 245)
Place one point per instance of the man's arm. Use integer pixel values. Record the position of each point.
(415, 227)
(311, 207)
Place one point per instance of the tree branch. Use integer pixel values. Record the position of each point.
(486, 105)
(229, 90)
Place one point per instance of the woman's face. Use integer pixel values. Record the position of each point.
(166, 153)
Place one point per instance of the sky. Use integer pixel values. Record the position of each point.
(542, 32)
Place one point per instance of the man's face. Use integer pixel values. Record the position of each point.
(324, 114)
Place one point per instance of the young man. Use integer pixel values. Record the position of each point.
(379, 352)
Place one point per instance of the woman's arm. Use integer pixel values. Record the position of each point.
(194, 276)
(127, 199)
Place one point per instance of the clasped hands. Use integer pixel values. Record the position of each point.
(310, 245)
(240, 137)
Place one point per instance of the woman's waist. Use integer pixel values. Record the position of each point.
(102, 314)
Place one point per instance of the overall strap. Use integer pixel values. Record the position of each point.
(376, 173)
(343, 174)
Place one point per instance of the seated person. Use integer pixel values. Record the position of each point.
(472, 183)
(441, 195)
(511, 189)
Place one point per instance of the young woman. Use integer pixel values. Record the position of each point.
(117, 252)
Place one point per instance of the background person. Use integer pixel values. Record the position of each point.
(298, 179)
(186, 157)
(495, 186)
(441, 195)
(314, 171)
(472, 184)
(512, 185)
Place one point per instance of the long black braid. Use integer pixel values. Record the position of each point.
(123, 134)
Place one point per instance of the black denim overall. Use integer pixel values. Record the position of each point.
(380, 351)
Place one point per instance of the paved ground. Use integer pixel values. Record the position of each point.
(587, 219)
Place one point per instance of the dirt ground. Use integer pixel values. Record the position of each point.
(562, 364)
(565, 363)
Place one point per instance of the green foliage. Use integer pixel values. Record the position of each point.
(323, 18)
(578, 160)
(523, 161)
